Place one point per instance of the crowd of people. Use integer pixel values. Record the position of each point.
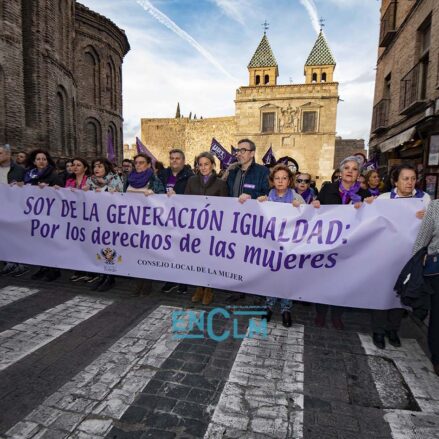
(245, 179)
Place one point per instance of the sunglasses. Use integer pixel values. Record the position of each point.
(299, 180)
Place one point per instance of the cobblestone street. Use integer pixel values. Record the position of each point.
(79, 364)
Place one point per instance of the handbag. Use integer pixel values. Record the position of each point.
(431, 265)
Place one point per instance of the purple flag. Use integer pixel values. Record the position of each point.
(222, 154)
(269, 158)
(233, 150)
(142, 149)
(372, 163)
(110, 148)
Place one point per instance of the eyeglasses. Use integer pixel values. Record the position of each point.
(299, 180)
(242, 150)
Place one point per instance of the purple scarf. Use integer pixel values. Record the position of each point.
(138, 180)
(418, 194)
(34, 175)
(287, 198)
(308, 196)
(349, 195)
(374, 192)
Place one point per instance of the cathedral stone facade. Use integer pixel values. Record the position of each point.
(297, 120)
(60, 78)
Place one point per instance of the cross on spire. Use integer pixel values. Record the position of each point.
(322, 23)
(266, 26)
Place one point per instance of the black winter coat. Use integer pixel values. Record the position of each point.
(330, 194)
(411, 286)
(182, 178)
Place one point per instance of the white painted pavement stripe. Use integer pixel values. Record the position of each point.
(25, 338)
(13, 293)
(263, 396)
(417, 371)
(88, 405)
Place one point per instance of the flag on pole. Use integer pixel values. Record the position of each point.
(222, 154)
(371, 164)
(110, 147)
(142, 149)
(269, 158)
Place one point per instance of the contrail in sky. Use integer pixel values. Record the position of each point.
(311, 8)
(166, 21)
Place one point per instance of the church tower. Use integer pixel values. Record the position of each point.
(263, 68)
(320, 65)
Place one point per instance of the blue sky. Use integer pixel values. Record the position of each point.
(164, 68)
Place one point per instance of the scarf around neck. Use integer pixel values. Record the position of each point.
(34, 174)
(288, 197)
(418, 194)
(139, 180)
(101, 182)
(308, 195)
(374, 192)
(349, 195)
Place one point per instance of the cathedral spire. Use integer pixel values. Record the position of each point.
(177, 113)
(263, 68)
(320, 65)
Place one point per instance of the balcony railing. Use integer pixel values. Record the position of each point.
(413, 88)
(380, 117)
(388, 25)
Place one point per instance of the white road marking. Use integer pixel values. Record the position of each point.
(88, 405)
(25, 338)
(263, 395)
(11, 294)
(418, 373)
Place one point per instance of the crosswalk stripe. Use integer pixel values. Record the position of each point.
(417, 371)
(263, 395)
(25, 338)
(94, 399)
(11, 294)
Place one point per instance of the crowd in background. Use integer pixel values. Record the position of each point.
(243, 180)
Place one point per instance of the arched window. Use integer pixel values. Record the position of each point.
(61, 123)
(111, 84)
(112, 139)
(258, 80)
(2, 107)
(91, 85)
(323, 77)
(92, 145)
(266, 79)
(314, 77)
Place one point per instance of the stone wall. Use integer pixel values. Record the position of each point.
(193, 136)
(42, 99)
(347, 147)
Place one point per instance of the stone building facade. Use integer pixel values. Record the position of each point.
(60, 78)
(297, 120)
(347, 147)
(405, 124)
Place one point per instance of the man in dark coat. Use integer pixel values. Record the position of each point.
(175, 179)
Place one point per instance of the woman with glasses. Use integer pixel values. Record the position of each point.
(303, 187)
(281, 183)
(205, 182)
(346, 190)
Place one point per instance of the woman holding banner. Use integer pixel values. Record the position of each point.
(303, 187)
(142, 180)
(373, 182)
(103, 179)
(281, 182)
(346, 190)
(206, 182)
(388, 322)
(42, 173)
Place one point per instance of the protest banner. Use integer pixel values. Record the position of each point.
(336, 254)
